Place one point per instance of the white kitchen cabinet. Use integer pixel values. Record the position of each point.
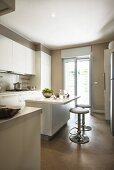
(23, 59)
(43, 71)
(5, 53)
(19, 58)
(20, 141)
(107, 54)
(54, 114)
(16, 57)
(29, 61)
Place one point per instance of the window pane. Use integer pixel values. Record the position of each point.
(69, 73)
(83, 81)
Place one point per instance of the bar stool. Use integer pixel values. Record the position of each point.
(86, 128)
(79, 137)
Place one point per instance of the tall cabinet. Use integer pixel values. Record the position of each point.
(42, 79)
(107, 54)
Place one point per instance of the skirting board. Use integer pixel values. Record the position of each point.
(98, 111)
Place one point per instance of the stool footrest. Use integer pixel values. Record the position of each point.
(87, 128)
(74, 133)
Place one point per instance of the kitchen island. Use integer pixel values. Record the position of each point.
(20, 140)
(55, 113)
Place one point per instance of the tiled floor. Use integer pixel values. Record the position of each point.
(62, 154)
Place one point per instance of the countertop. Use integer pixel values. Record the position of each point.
(24, 111)
(52, 100)
(16, 92)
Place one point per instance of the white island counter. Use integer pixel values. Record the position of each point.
(55, 113)
(20, 140)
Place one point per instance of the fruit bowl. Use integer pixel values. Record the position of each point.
(47, 95)
(47, 92)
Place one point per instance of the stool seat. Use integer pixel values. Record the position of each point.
(79, 110)
(83, 105)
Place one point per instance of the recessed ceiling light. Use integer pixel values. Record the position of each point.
(53, 15)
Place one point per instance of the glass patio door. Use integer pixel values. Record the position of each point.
(77, 78)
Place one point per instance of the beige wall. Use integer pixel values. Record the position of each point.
(97, 74)
(56, 70)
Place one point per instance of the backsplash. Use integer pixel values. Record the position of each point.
(7, 80)
(25, 80)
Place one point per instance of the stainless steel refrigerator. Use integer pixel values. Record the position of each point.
(112, 95)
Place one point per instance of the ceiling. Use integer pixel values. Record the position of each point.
(62, 23)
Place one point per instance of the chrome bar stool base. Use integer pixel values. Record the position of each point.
(84, 127)
(79, 140)
(79, 137)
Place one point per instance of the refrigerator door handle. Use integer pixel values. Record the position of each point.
(104, 82)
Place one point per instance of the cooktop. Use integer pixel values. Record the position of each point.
(6, 113)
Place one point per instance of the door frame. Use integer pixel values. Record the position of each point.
(75, 78)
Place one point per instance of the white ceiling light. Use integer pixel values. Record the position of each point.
(53, 15)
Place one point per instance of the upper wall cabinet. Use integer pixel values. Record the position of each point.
(23, 59)
(5, 53)
(6, 6)
(16, 57)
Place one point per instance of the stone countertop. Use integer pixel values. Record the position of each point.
(23, 112)
(52, 100)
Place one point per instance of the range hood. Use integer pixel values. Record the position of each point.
(6, 6)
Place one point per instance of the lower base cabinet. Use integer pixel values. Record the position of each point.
(20, 143)
(53, 118)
